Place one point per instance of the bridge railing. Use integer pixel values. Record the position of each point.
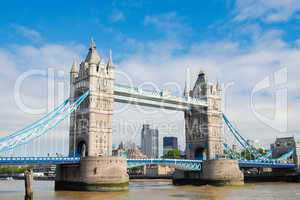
(191, 165)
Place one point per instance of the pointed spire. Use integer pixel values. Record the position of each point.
(187, 83)
(92, 44)
(185, 93)
(93, 56)
(218, 87)
(110, 61)
(74, 67)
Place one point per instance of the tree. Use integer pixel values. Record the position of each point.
(172, 154)
(246, 153)
(262, 151)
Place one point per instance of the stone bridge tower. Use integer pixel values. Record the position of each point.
(91, 124)
(91, 130)
(203, 125)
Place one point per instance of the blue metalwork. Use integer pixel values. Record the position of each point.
(269, 164)
(243, 142)
(191, 165)
(286, 155)
(258, 157)
(37, 123)
(42, 126)
(38, 160)
(230, 153)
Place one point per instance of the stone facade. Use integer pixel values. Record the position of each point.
(91, 130)
(91, 123)
(203, 125)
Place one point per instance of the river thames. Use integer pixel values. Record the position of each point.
(156, 190)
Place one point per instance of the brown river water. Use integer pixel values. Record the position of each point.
(156, 190)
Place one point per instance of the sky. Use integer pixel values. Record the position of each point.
(251, 46)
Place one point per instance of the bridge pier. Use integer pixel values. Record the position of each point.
(222, 172)
(214, 172)
(93, 174)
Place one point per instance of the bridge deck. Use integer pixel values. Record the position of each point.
(184, 164)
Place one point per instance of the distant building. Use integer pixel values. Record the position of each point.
(120, 151)
(130, 151)
(158, 170)
(284, 145)
(149, 141)
(169, 143)
(136, 153)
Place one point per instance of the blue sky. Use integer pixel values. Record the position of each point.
(114, 22)
(239, 42)
(104, 20)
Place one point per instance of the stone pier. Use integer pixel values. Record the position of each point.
(219, 172)
(222, 172)
(93, 174)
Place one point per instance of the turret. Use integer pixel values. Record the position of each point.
(93, 56)
(93, 59)
(201, 86)
(110, 67)
(73, 76)
(186, 92)
(74, 71)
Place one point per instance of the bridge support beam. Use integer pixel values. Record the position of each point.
(93, 174)
(214, 172)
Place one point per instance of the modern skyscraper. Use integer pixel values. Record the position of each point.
(169, 143)
(149, 141)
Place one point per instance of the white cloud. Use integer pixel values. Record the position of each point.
(229, 62)
(169, 23)
(117, 16)
(266, 10)
(17, 59)
(28, 33)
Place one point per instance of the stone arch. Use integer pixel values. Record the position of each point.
(82, 149)
(200, 153)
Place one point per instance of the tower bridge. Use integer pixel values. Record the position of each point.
(90, 165)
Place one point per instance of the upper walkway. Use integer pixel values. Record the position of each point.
(133, 95)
